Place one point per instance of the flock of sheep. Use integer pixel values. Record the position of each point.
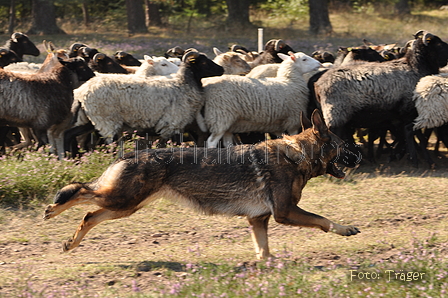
(239, 96)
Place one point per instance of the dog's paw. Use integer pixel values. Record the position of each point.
(49, 212)
(67, 245)
(344, 230)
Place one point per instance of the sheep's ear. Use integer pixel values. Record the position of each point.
(306, 123)
(293, 57)
(319, 126)
(217, 51)
(148, 59)
(283, 56)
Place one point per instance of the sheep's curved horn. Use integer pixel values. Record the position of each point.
(120, 55)
(99, 56)
(270, 43)
(279, 44)
(178, 49)
(419, 34)
(404, 49)
(16, 35)
(190, 55)
(238, 48)
(427, 38)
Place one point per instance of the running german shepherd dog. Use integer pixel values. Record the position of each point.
(256, 181)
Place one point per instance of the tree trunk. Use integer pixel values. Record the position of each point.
(238, 13)
(319, 17)
(12, 17)
(85, 13)
(43, 18)
(152, 14)
(136, 16)
(402, 7)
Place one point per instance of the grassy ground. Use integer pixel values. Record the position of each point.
(166, 250)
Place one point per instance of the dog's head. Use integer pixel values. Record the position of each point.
(67, 192)
(329, 150)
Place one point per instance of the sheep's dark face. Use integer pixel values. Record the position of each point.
(441, 48)
(79, 66)
(22, 45)
(204, 67)
(432, 48)
(74, 48)
(7, 57)
(104, 64)
(124, 58)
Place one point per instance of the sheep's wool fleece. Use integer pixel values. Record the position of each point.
(431, 101)
(165, 104)
(345, 90)
(240, 104)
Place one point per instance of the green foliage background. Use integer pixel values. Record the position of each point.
(114, 11)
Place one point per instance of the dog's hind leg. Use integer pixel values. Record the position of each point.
(295, 216)
(260, 236)
(90, 220)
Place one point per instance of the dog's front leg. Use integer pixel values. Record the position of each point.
(295, 216)
(91, 219)
(260, 235)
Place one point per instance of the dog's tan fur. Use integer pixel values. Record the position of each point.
(256, 181)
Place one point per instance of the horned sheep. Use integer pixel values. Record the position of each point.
(41, 101)
(165, 104)
(376, 94)
(238, 104)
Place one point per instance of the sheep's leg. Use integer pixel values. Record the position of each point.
(51, 141)
(260, 236)
(228, 139)
(213, 139)
(56, 137)
(91, 219)
(27, 136)
(70, 141)
(424, 147)
(411, 144)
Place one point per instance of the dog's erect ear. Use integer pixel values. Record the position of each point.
(306, 123)
(319, 126)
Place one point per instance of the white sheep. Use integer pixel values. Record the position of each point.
(264, 71)
(153, 66)
(238, 104)
(270, 71)
(166, 104)
(431, 101)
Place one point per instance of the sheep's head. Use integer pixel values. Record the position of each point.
(176, 52)
(74, 48)
(433, 47)
(302, 61)
(157, 66)
(201, 66)
(231, 62)
(126, 59)
(22, 45)
(7, 57)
